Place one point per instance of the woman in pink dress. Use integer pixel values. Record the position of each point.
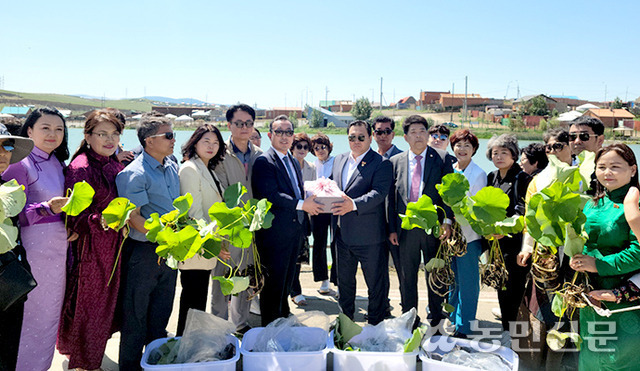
(88, 319)
(43, 234)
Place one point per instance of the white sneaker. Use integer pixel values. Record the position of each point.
(496, 313)
(325, 288)
(255, 306)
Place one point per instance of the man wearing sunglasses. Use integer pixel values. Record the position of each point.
(586, 133)
(415, 173)
(359, 221)
(383, 135)
(278, 178)
(151, 182)
(236, 167)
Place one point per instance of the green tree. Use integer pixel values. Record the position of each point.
(293, 118)
(362, 109)
(617, 103)
(315, 119)
(537, 107)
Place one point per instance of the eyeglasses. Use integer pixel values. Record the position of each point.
(104, 136)
(279, 133)
(8, 145)
(361, 138)
(386, 131)
(245, 124)
(168, 135)
(320, 147)
(302, 147)
(582, 135)
(557, 147)
(439, 136)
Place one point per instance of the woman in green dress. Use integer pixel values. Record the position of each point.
(611, 255)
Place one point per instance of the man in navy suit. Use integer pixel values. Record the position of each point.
(278, 178)
(416, 172)
(359, 221)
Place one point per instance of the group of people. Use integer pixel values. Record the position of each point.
(94, 280)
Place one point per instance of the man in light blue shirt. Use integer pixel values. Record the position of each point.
(150, 182)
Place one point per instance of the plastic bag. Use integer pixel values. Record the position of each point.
(204, 338)
(281, 336)
(387, 336)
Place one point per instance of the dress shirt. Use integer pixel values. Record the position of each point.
(295, 180)
(349, 168)
(412, 165)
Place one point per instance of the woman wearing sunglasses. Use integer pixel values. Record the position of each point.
(439, 139)
(538, 297)
(300, 148)
(87, 319)
(43, 233)
(321, 148)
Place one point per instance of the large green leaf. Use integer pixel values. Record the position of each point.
(239, 284)
(8, 236)
(421, 214)
(511, 225)
(413, 343)
(12, 199)
(183, 204)
(181, 245)
(557, 305)
(345, 330)
(573, 242)
(231, 223)
(80, 198)
(489, 205)
(211, 246)
(260, 215)
(233, 194)
(453, 189)
(153, 226)
(117, 212)
(226, 284)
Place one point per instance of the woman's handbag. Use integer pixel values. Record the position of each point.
(15, 280)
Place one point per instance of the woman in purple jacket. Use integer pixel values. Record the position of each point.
(43, 234)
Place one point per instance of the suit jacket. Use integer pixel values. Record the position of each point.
(270, 180)
(196, 179)
(434, 169)
(368, 187)
(394, 151)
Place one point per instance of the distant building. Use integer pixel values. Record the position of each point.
(522, 102)
(15, 111)
(337, 105)
(277, 111)
(430, 97)
(340, 121)
(457, 100)
(610, 117)
(407, 103)
(179, 110)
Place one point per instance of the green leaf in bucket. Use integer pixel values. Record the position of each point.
(80, 198)
(413, 343)
(117, 212)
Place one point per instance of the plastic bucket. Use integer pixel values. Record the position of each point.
(444, 344)
(371, 361)
(226, 365)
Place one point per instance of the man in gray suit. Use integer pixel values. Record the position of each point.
(416, 172)
(359, 221)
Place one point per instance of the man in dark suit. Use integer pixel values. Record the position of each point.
(359, 221)
(278, 178)
(416, 172)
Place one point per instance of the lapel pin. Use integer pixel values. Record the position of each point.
(363, 163)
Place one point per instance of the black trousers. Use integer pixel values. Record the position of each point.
(10, 328)
(510, 298)
(414, 245)
(395, 256)
(320, 228)
(147, 301)
(370, 258)
(278, 257)
(195, 288)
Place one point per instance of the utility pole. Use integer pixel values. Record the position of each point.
(464, 107)
(381, 94)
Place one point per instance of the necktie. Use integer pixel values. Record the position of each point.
(292, 177)
(414, 194)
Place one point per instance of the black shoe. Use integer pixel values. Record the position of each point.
(459, 335)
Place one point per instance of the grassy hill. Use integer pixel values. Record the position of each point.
(76, 104)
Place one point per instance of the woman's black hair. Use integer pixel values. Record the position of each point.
(189, 148)
(62, 152)
(627, 155)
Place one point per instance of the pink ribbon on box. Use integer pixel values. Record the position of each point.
(323, 187)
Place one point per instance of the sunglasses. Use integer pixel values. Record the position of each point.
(302, 146)
(439, 136)
(361, 138)
(168, 135)
(386, 131)
(557, 147)
(245, 124)
(583, 136)
(279, 133)
(320, 147)
(8, 145)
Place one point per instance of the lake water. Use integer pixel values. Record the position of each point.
(340, 144)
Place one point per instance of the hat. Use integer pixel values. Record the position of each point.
(21, 146)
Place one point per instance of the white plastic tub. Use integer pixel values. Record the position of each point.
(372, 361)
(226, 365)
(306, 361)
(444, 344)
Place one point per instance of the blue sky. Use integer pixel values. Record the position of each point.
(286, 52)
